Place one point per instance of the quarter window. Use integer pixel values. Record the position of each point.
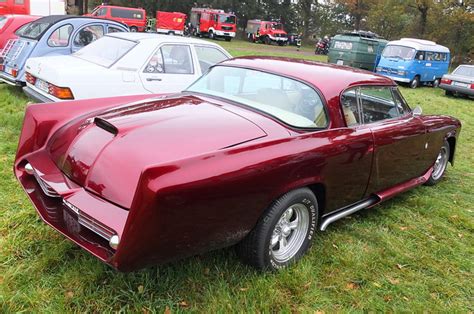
(350, 107)
(113, 29)
(208, 56)
(88, 34)
(60, 37)
(171, 59)
(402, 106)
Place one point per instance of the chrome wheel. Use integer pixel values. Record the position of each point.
(289, 233)
(440, 163)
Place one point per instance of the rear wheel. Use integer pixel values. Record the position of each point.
(211, 35)
(436, 83)
(267, 40)
(440, 165)
(283, 234)
(448, 93)
(228, 38)
(171, 33)
(415, 82)
(133, 29)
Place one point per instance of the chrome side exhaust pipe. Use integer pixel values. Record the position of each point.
(346, 212)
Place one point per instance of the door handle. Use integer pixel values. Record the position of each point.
(153, 79)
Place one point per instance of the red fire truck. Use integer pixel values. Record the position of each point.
(213, 23)
(171, 23)
(266, 32)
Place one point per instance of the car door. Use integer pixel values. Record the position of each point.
(208, 56)
(170, 69)
(400, 138)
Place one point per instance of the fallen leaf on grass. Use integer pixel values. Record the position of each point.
(140, 289)
(394, 281)
(352, 285)
(145, 310)
(335, 246)
(406, 299)
(377, 285)
(207, 271)
(387, 298)
(460, 235)
(167, 310)
(243, 289)
(403, 228)
(319, 312)
(69, 294)
(306, 286)
(183, 304)
(400, 266)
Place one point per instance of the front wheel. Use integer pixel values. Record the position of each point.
(133, 29)
(415, 82)
(284, 232)
(440, 165)
(211, 35)
(228, 38)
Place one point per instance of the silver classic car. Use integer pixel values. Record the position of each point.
(459, 82)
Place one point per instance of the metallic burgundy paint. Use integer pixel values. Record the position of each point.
(186, 173)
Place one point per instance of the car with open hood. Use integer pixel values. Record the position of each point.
(122, 64)
(261, 152)
(51, 36)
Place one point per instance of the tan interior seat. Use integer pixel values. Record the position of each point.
(349, 116)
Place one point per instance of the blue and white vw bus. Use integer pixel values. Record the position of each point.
(414, 61)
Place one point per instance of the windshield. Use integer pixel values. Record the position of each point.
(3, 21)
(277, 26)
(400, 52)
(288, 100)
(105, 51)
(464, 71)
(226, 19)
(33, 30)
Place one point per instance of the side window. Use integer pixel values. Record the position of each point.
(420, 55)
(350, 107)
(430, 56)
(171, 59)
(60, 37)
(155, 65)
(113, 29)
(177, 59)
(88, 34)
(402, 105)
(377, 104)
(208, 56)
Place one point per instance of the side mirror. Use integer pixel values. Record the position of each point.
(417, 111)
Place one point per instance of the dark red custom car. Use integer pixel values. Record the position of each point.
(259, 151)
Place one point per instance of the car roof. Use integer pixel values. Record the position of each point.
(420, 44)
(330, 79)
(160, 37)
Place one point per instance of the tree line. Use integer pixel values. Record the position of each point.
(448, 22)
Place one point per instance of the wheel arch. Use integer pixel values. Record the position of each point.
(452, 147)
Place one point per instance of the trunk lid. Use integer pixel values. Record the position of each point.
(109, 151)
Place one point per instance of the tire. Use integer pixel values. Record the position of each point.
(290, 220)
(415, 82)
(440, 165)
(448, 93)
(267, 40)
(228, 38)
(211, 35)
(133, 29)
(281, 43)
(171, 33)
(436, 83)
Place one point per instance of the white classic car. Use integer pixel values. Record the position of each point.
(122, 64)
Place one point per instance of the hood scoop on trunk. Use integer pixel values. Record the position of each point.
(105, 125)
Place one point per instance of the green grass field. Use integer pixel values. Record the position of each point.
(412, 253)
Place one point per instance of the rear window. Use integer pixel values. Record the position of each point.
(105, 51)
(127, 14)
(33, 30)
(464, 71)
